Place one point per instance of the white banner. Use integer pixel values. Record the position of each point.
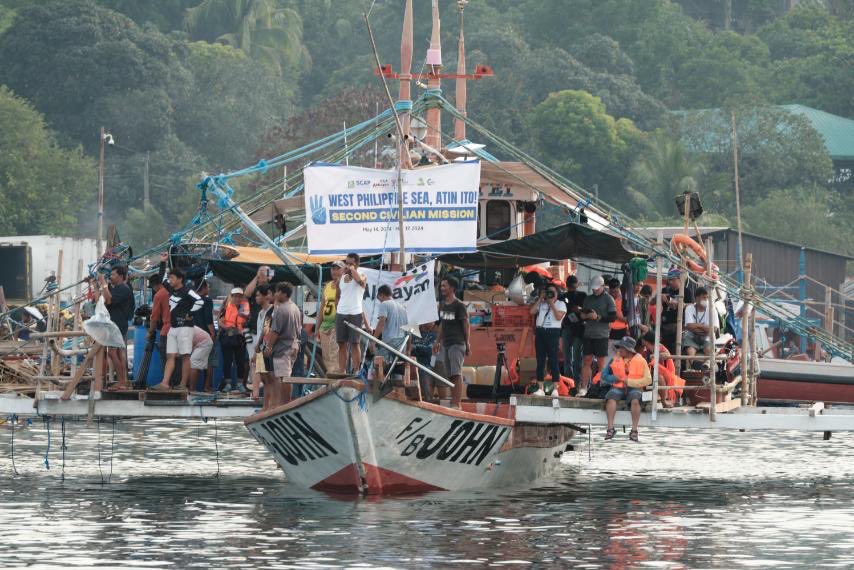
(414, 289)
(349, 208)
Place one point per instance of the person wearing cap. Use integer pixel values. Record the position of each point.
(326, 318)
(232, 320)
(627, 366)
(670, 307)
(597, 312)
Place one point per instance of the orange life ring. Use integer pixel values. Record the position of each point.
(680, 243)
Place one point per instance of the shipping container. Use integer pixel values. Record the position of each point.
(27, 261)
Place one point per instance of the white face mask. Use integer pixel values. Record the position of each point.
(704, 304)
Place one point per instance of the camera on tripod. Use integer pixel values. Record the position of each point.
(500, 347)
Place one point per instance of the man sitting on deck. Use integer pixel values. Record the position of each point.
(697, 318)
(634, 369)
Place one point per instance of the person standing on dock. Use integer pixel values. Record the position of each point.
(118, 297)
(159, 321)
(263, 370)
(326, 315)
(282, 345)
(549, 311)
(204, 319)
(351, 292)
(232, 320)
(263, 276)
(183, 302)
(597, 312)
(453, 337)
(572, 329)
(619, 327)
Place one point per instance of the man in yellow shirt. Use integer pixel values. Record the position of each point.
(326, 319)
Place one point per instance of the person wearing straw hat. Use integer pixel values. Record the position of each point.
(630, 374)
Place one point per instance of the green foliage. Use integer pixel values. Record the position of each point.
(268, 30)
(824, 219)
(578, 138)
(662, 171)
(777, 149)
(143, 228)
(41, 184)
(812, 55)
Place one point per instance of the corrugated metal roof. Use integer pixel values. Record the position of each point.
(837, 132)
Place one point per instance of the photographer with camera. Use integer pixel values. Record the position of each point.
(572, 329)
(550, 312)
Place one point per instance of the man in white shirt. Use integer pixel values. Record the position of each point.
(698, 317)
(550, 312)
(351, 291)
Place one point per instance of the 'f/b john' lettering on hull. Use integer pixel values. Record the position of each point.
(293, 438)
(464, 442)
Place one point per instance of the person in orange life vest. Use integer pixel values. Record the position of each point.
(619, 327)
(232, 320)
(666, 370)
(635, 368)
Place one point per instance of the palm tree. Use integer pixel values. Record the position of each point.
(662, 171)
(269, 31)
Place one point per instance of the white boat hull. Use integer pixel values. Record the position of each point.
(329, 442)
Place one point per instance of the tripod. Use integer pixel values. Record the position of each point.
(500, 365)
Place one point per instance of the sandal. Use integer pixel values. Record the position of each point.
(633, 435)
(610, 433)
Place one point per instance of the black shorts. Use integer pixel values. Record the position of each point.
(595, 346)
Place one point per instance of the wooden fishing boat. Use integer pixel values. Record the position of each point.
(341, 439)
(801, 380)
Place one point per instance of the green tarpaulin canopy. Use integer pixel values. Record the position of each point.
(567, 241)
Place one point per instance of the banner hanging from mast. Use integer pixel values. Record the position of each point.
(354, 209)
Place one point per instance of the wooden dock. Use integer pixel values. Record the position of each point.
(730, 415)
(130, 404)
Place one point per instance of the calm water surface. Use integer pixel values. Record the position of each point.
(194, 495)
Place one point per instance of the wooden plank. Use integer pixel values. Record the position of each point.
(720, 408)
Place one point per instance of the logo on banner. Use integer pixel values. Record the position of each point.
(318, 212)
(413, 289)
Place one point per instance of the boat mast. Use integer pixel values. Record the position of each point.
(459, 124)
(404, 122)
(434, 82)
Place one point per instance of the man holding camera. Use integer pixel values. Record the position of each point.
(550, 312)
(351, 292)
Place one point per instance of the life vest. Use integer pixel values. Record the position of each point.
(232, 319)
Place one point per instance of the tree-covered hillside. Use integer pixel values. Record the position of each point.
(601, 90)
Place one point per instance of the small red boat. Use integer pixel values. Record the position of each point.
(800, 380)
